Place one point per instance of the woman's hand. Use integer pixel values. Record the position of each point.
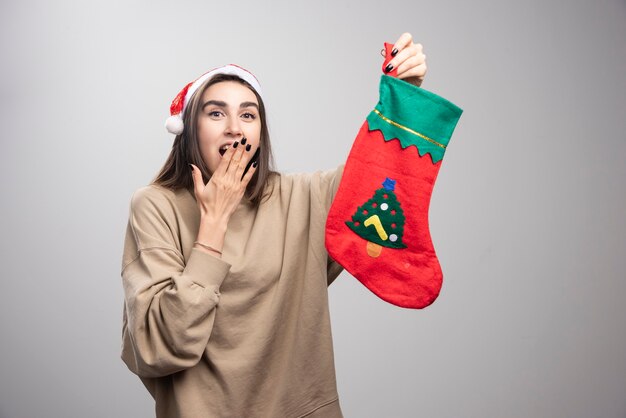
(218, 199)
(409, 59)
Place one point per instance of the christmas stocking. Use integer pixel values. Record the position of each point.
(377, 227)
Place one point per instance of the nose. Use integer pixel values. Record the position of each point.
(233, 127)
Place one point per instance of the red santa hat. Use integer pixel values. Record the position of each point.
(174, 124)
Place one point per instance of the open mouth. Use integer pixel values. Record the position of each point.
(223, 149)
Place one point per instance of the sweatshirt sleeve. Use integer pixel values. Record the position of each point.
(169, 303)
(324, 188)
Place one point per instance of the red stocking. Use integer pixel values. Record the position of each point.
(377, 227)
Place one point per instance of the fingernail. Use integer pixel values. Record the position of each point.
(243, 141)
(254, 164)
(394, 52)
(388, 68)
(248, 147)
(236, 144)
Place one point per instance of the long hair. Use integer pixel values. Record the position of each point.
(176, 172)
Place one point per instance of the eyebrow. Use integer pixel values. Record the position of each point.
(220, 103)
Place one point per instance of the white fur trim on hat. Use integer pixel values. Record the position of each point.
(174, 124)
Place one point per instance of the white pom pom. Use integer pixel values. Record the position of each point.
(174, 124)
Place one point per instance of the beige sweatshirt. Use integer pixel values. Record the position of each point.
(245, 336)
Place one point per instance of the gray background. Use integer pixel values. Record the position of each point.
(527, 215)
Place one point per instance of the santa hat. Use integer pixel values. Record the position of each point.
(174, 124)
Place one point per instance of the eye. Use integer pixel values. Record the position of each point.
(249, 116)
(215, 113)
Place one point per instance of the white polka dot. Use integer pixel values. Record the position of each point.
(384, 206)
(393, 237)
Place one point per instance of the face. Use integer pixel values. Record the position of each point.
(229, 112)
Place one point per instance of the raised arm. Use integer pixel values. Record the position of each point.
(169, 302)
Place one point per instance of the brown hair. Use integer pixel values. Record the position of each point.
(176, 172)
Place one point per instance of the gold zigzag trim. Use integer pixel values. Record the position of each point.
(386, 119)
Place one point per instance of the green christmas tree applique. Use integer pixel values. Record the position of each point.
(380, 221)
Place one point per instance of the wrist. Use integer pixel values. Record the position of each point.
(212, 232)
(213, 224)
(208, 248)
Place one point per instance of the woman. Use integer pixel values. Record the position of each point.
(224, 269)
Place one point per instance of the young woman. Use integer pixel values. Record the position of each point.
(225, 271)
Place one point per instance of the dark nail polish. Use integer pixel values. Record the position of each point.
(248, 147)
(254, 164)
(236, 144)
(388, 68)
(394, 52)
(243, 141)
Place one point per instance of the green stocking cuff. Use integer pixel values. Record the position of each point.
(414, 116)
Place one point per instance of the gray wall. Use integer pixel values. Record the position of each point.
(527, 215)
